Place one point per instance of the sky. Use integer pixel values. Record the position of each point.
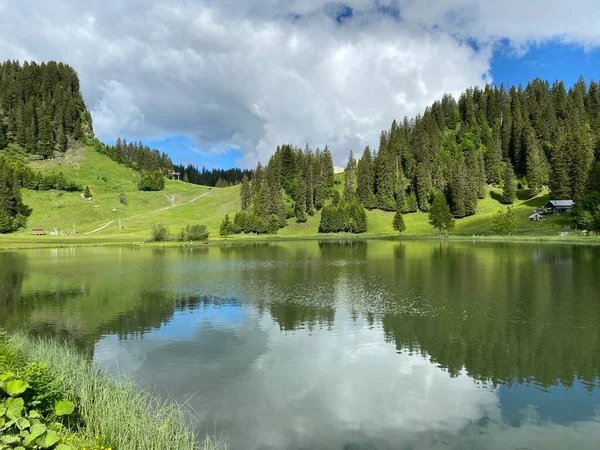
(223, 82)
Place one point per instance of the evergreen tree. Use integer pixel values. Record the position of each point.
(385, 175)
(366, 180)
(560, 188)
(398, 222)
(301, 203)
(509, 192)
(226, 226)
(13, 213)
(87, 193)
(440, 216)
(245, 194)
(349, 177)
(186, 179)
(537, 166)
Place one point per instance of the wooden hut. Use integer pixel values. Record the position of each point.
(559, 206)
(536, 217)
(38, 232)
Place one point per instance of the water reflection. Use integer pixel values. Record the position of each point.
(327, 345)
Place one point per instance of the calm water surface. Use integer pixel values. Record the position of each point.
(378, 345)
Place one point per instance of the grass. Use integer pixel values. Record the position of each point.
(107, 180)
(126, 417)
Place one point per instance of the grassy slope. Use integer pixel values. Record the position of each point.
(108, 179)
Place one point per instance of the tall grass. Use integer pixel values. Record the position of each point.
(128, 418)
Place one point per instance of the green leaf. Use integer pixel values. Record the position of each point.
(33, 414)
(7, 376)
(63, 447)
(15, 387)
(10, 439)
(22, 423)
(36, 431)
(64, 408)
(48, 440)
(19, 448)
(14, 407)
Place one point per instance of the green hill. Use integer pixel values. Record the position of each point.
(182, 204)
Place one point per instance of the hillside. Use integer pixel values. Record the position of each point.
(194, 204)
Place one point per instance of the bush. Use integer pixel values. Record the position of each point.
(160, 233)
(122, 199)
(87, 193)
(193, 233)
(343, 217)
(152, 181)
(273, 224)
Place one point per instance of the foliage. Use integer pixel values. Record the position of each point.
(505, 222)
(206, 177)
(584, 211)
(34, 413)
(160, 233)
(193, 233)
(344, 217)
(41, 107)
(122, 199)
(226, 227)
(398, 222)
(87, 193)
(13, 212)
(137, 156)
(440, 216)
(509, 192)
(110, 413)
(152, 181)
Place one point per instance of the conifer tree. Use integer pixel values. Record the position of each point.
(245, 194)
(349, 177)
(366, 182)
(509, 192)
(440, 216)
(398, 222)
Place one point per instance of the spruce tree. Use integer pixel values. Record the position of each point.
(509, 192)
(245, 194)
(440, 216)
(301, 202)
(398, 222)
(366, 182)
(349, 178)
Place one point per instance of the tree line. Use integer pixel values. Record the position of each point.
(542, 135)
(41, 107)
(520, 139)
(212, 177)
(295, 183)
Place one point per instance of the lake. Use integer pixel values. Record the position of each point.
(337, 345)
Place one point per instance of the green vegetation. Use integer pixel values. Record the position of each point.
(13, 213)
(55, 398)
(505, 222)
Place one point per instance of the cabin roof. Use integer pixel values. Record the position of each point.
(559, 203)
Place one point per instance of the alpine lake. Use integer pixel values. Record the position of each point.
(341, 345)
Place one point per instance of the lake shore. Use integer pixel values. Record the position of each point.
(22, 242)
(113, 412)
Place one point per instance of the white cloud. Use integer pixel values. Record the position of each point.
(256, 74)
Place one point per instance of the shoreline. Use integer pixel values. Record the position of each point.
(52, 242)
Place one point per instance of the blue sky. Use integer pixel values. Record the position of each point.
(549, 61)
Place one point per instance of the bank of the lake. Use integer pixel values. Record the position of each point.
(109, 412)
(21, 242)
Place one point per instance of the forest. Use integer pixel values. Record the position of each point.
(212, 177)
(520, 139)
(41, 107)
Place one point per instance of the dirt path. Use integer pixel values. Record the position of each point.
(149, 212)
(100, 228)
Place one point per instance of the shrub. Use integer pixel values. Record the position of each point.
(152, 181)
(122, 199)
(160, 233)
(87, 193)
(193, 233)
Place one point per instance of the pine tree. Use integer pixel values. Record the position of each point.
(385, 175)
(13, 213)
(87, 193)
(440, 216)
(366, 182)
(509, 192)
(349, 178)
(398, 222)
(46, 140)
(226, 225)
(537, 166)
(245, 194)
(301, 203)
(186, 179)
(560, 188)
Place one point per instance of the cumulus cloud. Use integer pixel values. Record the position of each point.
(251, 75)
